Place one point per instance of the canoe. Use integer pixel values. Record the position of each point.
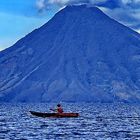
(54, 115)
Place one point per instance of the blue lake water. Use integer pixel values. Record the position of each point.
(96, 122)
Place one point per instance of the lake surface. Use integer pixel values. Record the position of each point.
(96, 122)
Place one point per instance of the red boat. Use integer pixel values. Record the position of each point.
(54, 115)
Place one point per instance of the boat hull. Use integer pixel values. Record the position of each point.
(55, 115)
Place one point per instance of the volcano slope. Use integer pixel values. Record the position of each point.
(81, 54)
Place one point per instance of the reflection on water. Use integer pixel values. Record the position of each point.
(96, 121)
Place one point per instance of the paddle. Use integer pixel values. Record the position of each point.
(53, 109)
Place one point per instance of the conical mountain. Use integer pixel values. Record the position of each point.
(79, 55)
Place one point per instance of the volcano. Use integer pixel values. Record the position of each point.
(80, 55)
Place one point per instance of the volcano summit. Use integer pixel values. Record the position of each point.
(81, 54)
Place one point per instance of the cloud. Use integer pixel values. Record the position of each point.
(41, 5)
(67, 2)
(131, 2)
(44, 4)
(105, 3)
(127, 12)
(59, 2)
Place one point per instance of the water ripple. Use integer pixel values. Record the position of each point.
(96, 121)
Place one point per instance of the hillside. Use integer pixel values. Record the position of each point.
(81, 54)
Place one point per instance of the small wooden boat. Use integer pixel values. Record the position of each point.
(54, 115)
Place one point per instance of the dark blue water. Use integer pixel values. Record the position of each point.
(96, 122)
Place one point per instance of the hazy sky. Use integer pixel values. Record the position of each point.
(19, 17)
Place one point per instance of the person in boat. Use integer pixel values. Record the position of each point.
(59, 109)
